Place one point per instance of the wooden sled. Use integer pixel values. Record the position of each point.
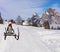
(11, 34)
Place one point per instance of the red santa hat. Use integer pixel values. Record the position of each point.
(9, 22)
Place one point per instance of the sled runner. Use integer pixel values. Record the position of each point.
(6, 33)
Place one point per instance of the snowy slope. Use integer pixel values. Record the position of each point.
(32, 39)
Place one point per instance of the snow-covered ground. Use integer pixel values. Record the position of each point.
(32, 39)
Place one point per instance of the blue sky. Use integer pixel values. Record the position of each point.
(26, 8)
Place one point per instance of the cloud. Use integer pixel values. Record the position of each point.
(25, 8)
(56, 6)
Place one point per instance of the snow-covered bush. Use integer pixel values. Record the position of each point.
(55, 26)
(12, 21)
(25, 23)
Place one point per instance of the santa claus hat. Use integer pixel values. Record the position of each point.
(9, 22)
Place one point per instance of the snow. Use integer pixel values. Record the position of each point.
(32, 39)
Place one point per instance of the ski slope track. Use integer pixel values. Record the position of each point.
(32, 39)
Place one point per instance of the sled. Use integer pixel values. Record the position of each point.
(11, 34)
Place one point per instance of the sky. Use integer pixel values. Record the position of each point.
(10, 9)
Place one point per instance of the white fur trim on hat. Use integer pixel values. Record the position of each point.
(9, 23)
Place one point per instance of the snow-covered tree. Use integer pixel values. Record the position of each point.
(1, 20)
(46, 24)
(29, 21)
(51, 15)
(19, 20)
(35, 20)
